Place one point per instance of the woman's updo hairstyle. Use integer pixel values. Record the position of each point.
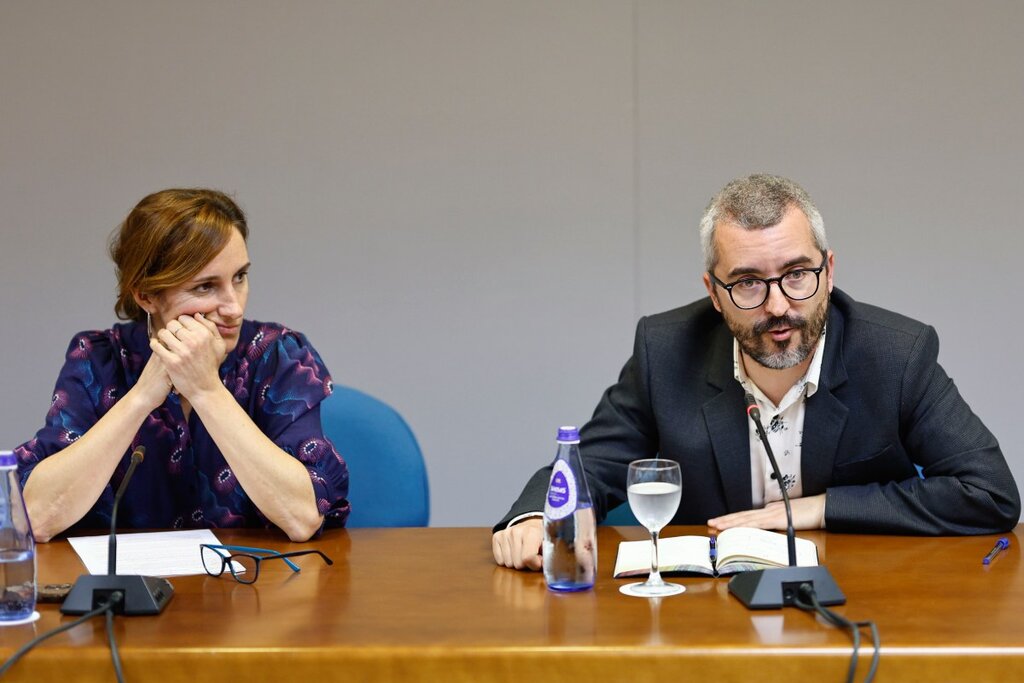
(167, 239)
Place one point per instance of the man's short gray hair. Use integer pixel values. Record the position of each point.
(755, 202)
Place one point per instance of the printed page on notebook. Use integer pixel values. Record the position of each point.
(738, 550)
(745, 549)
(675, 554)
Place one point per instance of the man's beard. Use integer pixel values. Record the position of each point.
(780, 355)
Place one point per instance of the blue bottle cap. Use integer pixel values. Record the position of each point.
(568, 433)
(7, 459)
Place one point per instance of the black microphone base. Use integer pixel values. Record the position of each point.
(774, 588)
(142, 594)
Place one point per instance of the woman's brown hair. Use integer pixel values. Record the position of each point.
(167, 239)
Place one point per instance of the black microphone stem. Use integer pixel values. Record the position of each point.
(755, 414)
(137, 456)
(790, 529)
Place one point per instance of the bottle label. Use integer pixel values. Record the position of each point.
(561, 500)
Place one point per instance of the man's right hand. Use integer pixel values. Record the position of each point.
(518, 546)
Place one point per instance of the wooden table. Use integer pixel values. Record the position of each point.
(429, 604)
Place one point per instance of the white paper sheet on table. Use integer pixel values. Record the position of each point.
(159, 553)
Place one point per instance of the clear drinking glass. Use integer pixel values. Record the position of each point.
(654, 488)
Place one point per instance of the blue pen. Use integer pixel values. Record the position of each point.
(1001, 545)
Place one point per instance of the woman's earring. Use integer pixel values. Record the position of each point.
(149, 324)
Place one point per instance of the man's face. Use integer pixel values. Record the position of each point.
(781, 333)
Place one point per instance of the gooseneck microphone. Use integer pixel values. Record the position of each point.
(772, 588)
(755, 415)
(137, 456)
(131, 594)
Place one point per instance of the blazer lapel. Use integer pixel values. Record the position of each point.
(727, 426)
(826, 415)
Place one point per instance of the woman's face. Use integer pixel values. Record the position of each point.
(219, 291)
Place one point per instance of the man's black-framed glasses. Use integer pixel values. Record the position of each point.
(244, 562)
(751, 292)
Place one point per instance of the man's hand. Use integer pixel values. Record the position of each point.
(519, 545)
(808, 513)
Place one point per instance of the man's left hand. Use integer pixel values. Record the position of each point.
(808, 513)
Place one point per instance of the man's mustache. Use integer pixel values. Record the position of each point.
(780, 323)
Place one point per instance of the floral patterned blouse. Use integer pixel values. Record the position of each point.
(184, 482)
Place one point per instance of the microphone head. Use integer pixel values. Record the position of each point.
(752, 410)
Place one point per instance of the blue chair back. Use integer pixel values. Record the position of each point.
(388, 484)
(621, 515)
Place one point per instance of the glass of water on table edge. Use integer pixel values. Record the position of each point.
(654, 487)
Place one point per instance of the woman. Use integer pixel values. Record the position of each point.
(227, 409)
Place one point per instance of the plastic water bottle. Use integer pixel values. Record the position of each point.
(17, 546)
(570, 526)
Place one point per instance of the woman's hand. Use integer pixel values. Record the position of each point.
(154, 384)
(191, 350)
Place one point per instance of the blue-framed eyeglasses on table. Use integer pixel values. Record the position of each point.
(244, 562)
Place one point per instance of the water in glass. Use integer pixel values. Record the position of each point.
(654, 488)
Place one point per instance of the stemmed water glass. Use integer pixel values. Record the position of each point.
(654, 487)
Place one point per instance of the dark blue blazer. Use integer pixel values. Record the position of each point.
(883, 405)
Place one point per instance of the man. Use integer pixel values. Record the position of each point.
(870, 433)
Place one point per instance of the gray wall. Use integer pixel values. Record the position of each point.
(467, 205)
